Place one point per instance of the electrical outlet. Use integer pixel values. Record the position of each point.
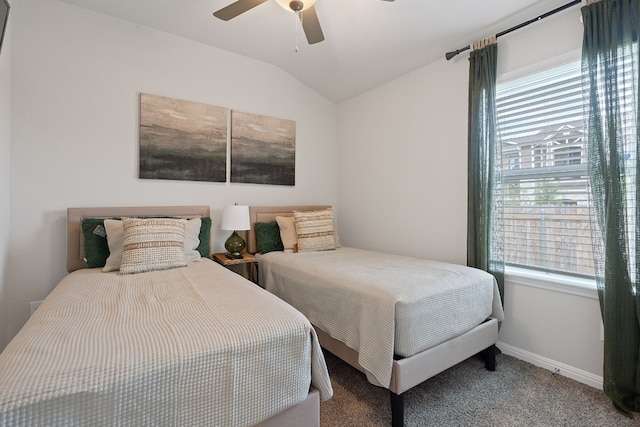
(33, 306)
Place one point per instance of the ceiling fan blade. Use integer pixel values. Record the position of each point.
(236, 8)
(311, 25)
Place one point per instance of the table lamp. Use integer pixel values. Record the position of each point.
(235, 218)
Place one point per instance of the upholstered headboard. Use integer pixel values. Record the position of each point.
(75, 238)
(269, 213)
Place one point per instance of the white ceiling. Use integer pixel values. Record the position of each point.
(367, 42)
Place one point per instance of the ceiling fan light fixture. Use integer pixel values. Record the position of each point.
(296, 5)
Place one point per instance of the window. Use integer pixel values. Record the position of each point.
(546, 199)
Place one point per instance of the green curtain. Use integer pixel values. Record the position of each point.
(610, 83)
(485, 247)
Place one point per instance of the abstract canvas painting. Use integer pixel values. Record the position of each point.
(263, 149)
(182, 140)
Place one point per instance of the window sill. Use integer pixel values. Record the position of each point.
(552, 282)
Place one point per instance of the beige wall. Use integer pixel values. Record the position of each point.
(76, 80)
(402, 157)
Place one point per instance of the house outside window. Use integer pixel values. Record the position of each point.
(546, 196)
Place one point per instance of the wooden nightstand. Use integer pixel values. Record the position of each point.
(247, 258)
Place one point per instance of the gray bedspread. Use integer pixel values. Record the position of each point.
(380, 304)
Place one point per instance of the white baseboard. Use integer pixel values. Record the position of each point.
(565, 370)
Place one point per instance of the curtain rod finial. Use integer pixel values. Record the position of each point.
(450, 55)
(453, 53)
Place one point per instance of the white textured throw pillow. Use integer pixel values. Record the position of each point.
(287, 225)
(152, 244)
(115, 241)
(315, 230)
(192, 240)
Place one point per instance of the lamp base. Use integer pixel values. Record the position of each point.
(234, 256)
(234, 246)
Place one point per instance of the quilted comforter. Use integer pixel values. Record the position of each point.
(197, 345)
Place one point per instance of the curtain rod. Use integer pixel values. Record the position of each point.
(451, 54)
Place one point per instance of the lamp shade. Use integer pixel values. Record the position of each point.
(235, 218)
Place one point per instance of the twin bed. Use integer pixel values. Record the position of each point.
(192, 345)
(200, 345)
(400, 320)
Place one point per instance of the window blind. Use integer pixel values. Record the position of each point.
(544, 167)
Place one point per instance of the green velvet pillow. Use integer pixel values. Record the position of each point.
(96, 250)
(268, 237)
(205, 237)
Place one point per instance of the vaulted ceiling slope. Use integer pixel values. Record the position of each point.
(367, 42)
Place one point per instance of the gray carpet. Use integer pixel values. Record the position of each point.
(516, 394)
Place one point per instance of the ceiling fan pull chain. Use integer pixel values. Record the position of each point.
(298, 18)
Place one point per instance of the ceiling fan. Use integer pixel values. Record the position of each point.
(303, 8)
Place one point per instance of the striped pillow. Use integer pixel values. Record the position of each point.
(152, 244)
(315, 230)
